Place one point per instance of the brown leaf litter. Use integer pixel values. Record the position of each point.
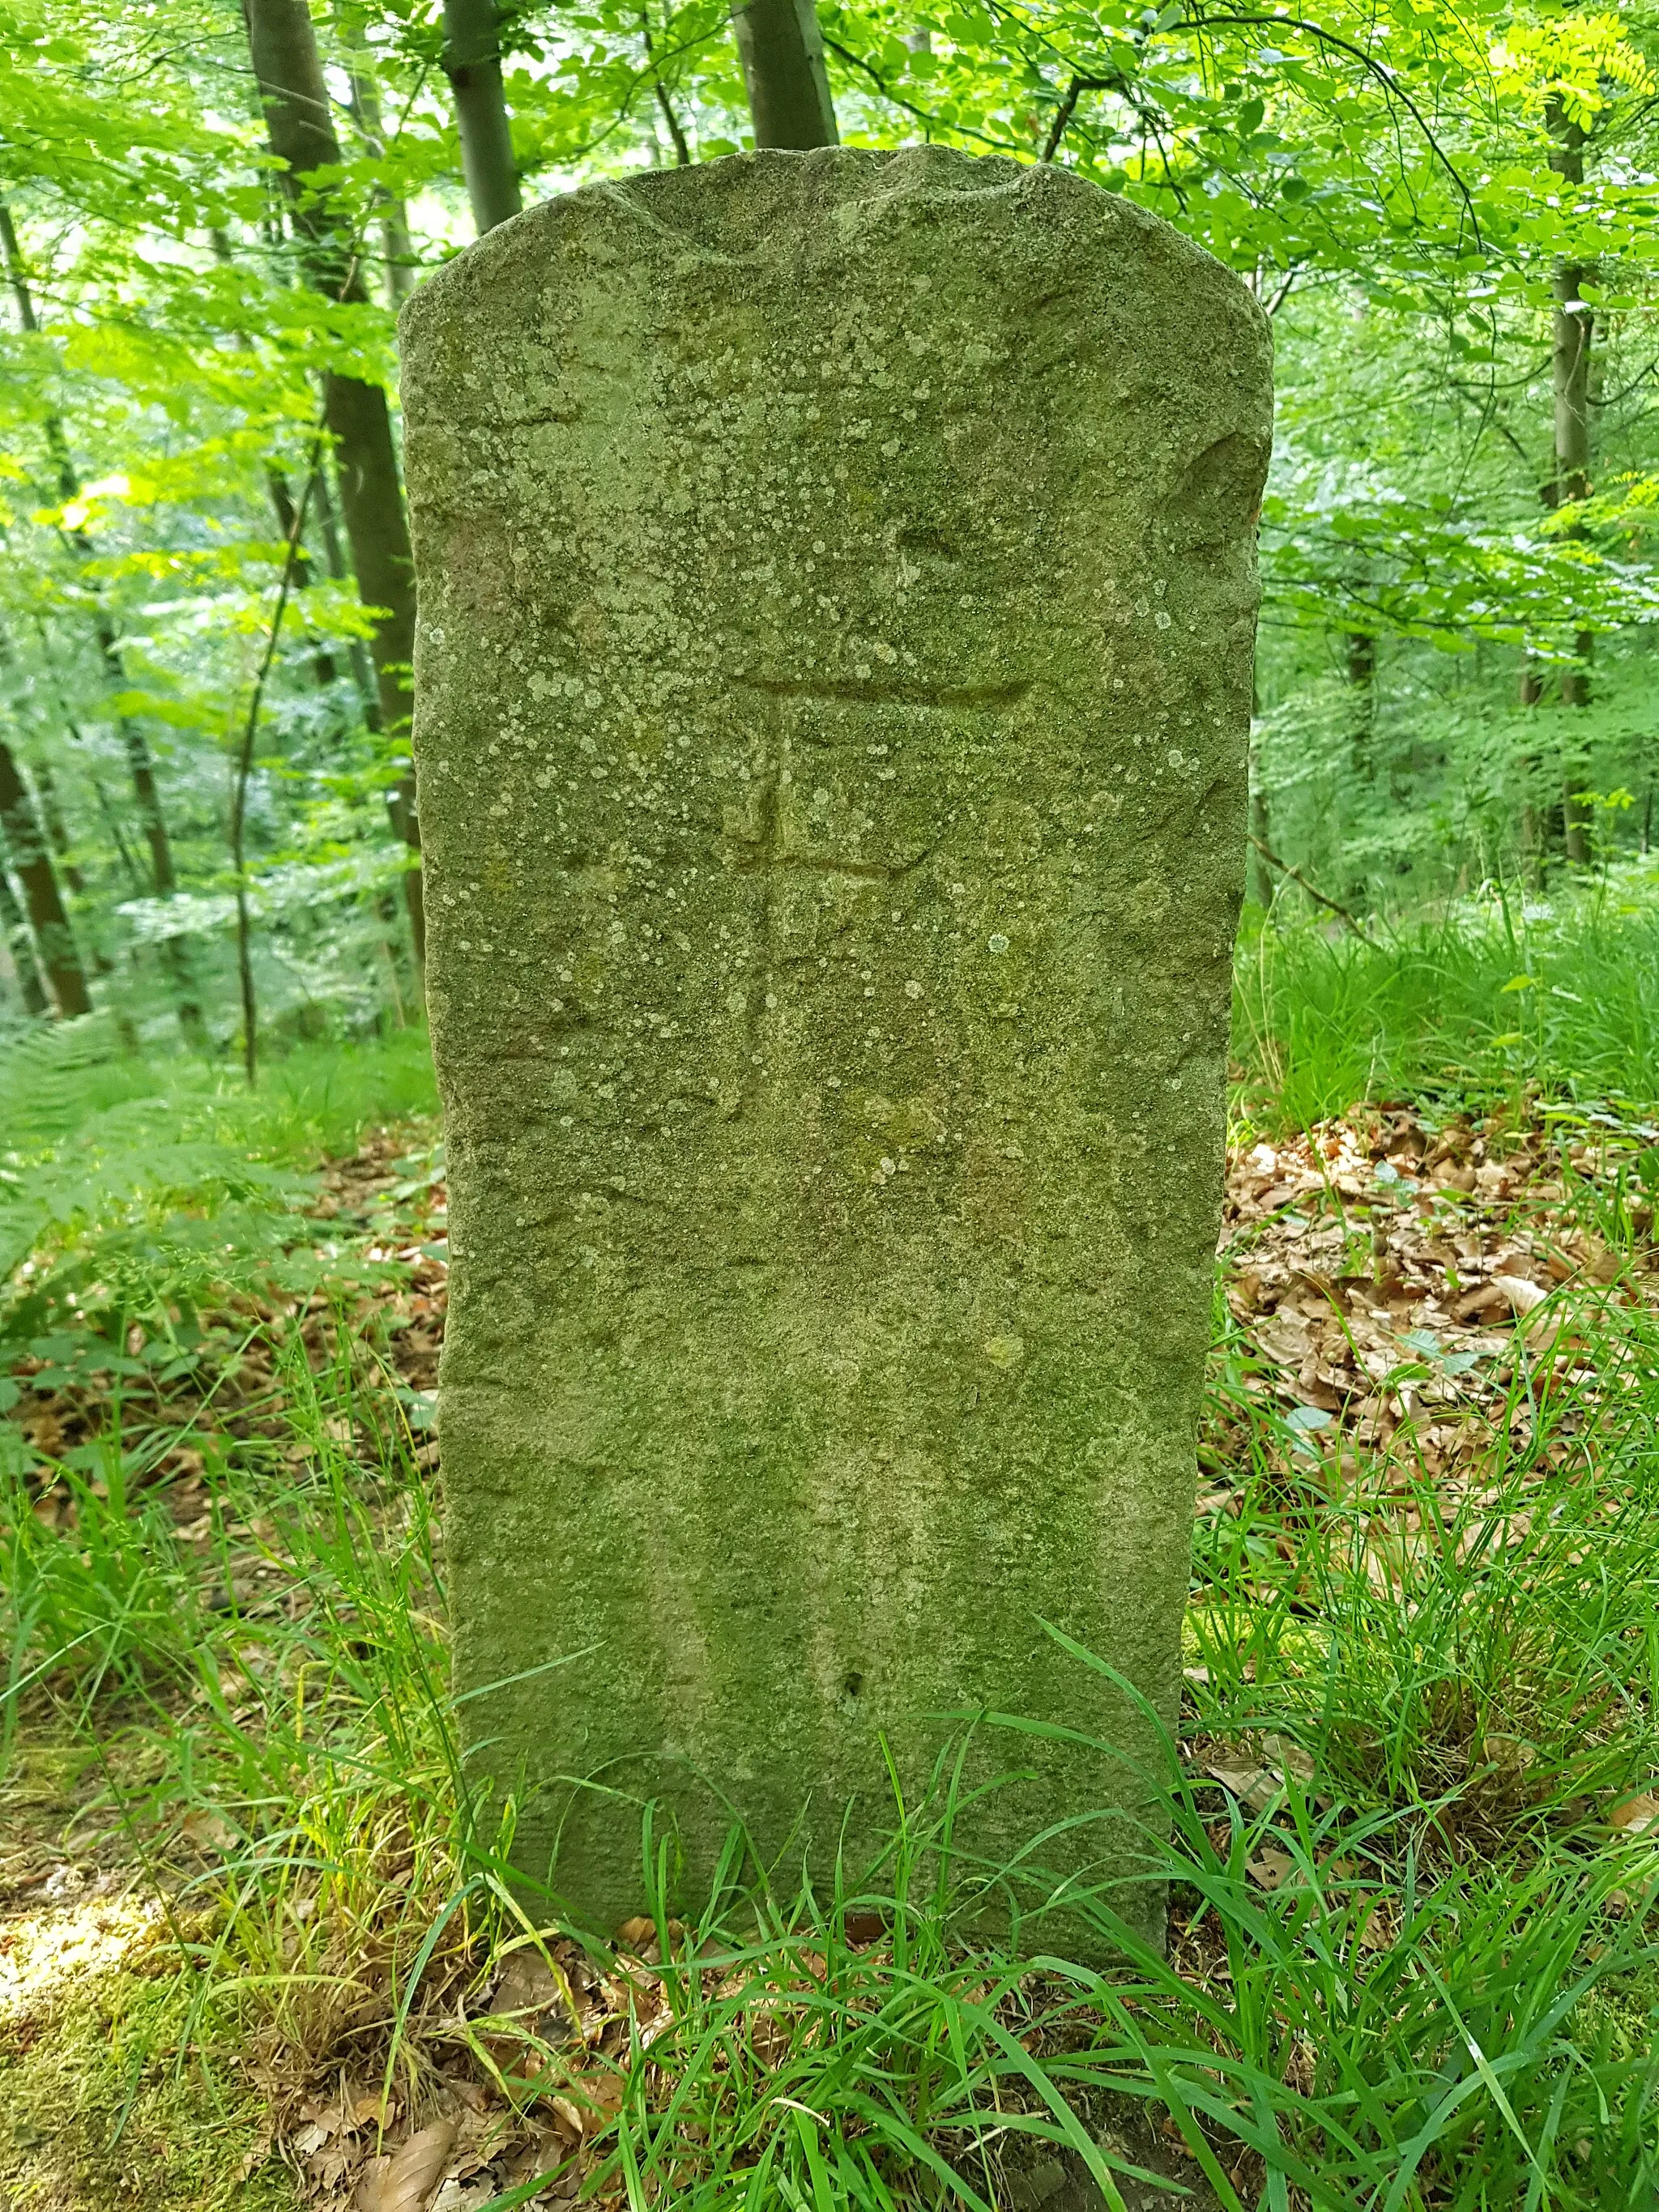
(1389, 1279)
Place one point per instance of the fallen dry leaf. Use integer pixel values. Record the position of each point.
(1269, 1869)
(1637, 1816)
(207, 1830)
(1485, 1303)
(1289, 1758)
(1379, 1924)
(1520, 1295)
(410, 2178)
(1254, 1786)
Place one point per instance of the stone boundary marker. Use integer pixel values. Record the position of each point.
(837, 588)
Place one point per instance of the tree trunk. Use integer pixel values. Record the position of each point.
(32, 862)
(781, 49)
(472, 63)
(301, 132)
(20, 946)
(140, 761)
(363, 672)
(281, 498)
(1361, 655)
(364, 679)
(322, 666)
(664, 102)
(51, 813)
(395, 241)
(1540, 835)
(1569, 363)
(1259, 883)
(51, 810)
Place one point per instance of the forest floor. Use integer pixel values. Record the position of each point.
(255, 1948)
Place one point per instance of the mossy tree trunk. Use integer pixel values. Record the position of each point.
(472, 63)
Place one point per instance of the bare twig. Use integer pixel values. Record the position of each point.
(1318, 897)
(923, 115)
(245, 766)
(682, 150)
(1063, 115)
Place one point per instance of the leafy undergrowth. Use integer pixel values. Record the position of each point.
(1414, 1954)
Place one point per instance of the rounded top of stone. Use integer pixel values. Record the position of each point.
(778, 203)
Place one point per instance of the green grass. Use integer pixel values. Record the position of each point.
(1447, 2001)
(1498, 996)
(1415, 1965)
(133, 1194)
(60, 1080)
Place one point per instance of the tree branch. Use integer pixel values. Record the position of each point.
(1390, 84)
(1317, 896)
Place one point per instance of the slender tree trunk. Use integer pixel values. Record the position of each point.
(328, 522)
(301, 131)
(1361, 657)
(396, 244)
(398, 248)
(682, 149)
(134, 744)
(1570, 362)
(20, 946)
(1541, 828)
(1258, 881)
(472, 63)
(281, 498)
(38, 878)
(52, 811)
(322, 666)
(781, 49)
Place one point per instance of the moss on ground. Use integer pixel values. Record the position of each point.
(96, 2111)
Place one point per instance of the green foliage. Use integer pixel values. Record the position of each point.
(135, 1197)
(1420, 1967)
(1388, 2016)
(1393, 185)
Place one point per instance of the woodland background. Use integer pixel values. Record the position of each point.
(1449, 213)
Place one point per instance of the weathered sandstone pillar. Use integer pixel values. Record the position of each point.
(837, 587)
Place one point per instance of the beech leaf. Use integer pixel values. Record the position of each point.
(409, 2180)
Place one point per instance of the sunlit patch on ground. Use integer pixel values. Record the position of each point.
(50, 1952)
